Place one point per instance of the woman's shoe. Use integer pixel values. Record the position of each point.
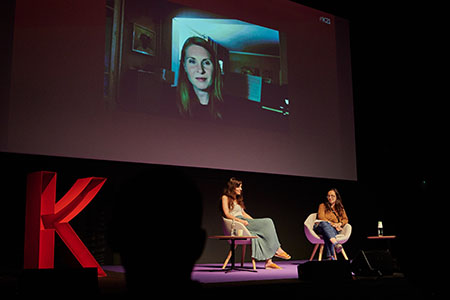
(283, 255)
(273, 266)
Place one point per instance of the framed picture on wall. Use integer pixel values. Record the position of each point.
(144, 40)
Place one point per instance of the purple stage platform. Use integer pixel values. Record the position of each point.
(215, 281)
(213, 273)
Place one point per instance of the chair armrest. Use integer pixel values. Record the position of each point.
(244, 228)
(347, 230)
(238, 226)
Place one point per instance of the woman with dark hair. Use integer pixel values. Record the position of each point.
(266, 245)
(331, 217)
(199, 89)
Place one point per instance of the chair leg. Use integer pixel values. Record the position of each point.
(344, 254)
(321, 252)
(243, 255)
(314, 252)
(253, 260)
(227, 260)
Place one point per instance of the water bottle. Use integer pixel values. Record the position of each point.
(233, 228)
(380, 228)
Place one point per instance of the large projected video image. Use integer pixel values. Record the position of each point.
(264, 88)
(247, 57)
(223, 70)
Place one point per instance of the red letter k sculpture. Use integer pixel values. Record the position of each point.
(44, 216)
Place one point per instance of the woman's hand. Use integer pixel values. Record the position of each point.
(338, 226)
(243, 222)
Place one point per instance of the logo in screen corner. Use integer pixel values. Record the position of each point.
(325, 20)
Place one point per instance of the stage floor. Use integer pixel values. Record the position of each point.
(265, 283)
(215, 281)
(213, 273)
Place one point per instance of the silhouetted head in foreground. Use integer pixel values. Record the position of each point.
(157, 229)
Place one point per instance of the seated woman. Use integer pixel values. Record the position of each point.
(331, 217)
(266, 245)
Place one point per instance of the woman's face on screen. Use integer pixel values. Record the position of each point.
(199, 67)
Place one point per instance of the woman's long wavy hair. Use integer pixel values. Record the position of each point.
(185, 91)
(230, 192)
(338, 206)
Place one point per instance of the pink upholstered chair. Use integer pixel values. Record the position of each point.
(227, 231)
(318, 241)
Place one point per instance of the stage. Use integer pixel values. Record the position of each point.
(213, 281)
(213, 273)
